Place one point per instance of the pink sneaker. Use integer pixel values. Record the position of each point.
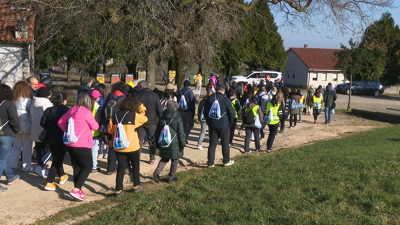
(100, 156)
(82, 193)
(77, 195)
(106, 156)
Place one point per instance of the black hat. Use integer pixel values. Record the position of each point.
(43, 92)
(221, 86)
(186, 83)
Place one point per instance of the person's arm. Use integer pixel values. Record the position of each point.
(229, 111)
(159, 109)
(260, 115)
(181, 134)
(91, 121)
(13, 118)
(334, 96)
(45, 117)
(111, 127)
(140, 119)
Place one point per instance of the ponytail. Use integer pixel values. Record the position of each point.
(59, 98)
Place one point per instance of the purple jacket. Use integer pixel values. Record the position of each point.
(214, 79)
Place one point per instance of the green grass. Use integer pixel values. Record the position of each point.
(353, 180)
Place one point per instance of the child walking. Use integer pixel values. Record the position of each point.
(174, 151)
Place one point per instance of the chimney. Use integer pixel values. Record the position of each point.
(305, 45)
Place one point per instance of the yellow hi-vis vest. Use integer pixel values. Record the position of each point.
(255, 111)
(96, 106)
(317, 102)
(274, 112)
(233, 106)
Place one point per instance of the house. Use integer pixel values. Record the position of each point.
(16, 43)
(311, 66)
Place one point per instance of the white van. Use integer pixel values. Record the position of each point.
(257, 76)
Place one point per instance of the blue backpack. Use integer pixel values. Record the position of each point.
(215, 110)
(294, 105)
(182, 102)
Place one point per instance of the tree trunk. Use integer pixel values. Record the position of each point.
(200, 68)
(227, 71)
(68, 71)
(132, 69)
(179, 64)
(151, 71)
(351, 82)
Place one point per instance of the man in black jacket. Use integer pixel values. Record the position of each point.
(329, 100)
(187, 114)
(153, 112)
(219, 128)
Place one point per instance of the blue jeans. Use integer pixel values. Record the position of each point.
(328, 114)
(95, 151)
(188, 122)
(273, 129)
(5, 148)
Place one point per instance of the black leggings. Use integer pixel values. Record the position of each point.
(315, 113)
(134, 158)
(291, 119)
(81, 160)
(58, 153)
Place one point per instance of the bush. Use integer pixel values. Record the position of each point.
(303, 86)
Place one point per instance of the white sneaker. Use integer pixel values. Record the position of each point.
(231, 162)
(40, 171)
(212, 166)
(199, 147)
(247, 152)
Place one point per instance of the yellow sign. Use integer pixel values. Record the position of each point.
(100, 78)
(172, 74)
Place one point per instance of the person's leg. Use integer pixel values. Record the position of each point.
(224, 135)
(112, 157)
(211, 147)
(247, 139)
(26, 153)
(295, 119)
(329, 115)
(184, 120)
(15, 151)
(46, 154)
(256, 132)
(135, 161)
(95, 152)
(151, 134)
(141, 133)
(5, 147)
(326, 114)
(271, 137)
(84, 160)
(262, 130)
(203, 132)
(291, 120)
(315, 112)
(58, 152)
(190, 124)
(74, 162)
(40, 149)
(121, 157)
(232, 130)
(161, 165)
(174, 168)
(300, 114)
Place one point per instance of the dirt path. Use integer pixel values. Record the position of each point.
(26, 202)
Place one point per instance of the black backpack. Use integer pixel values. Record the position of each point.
(249, 117)
(109, 108)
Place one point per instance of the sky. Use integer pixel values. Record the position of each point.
(316, 40)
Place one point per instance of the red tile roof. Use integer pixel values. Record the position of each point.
(317, 58)
(8, 23)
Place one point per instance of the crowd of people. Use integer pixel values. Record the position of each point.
(115, 125)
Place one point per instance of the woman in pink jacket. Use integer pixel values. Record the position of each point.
(80, 151)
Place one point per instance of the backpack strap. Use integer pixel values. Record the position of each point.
(7, 120)
(122, 117)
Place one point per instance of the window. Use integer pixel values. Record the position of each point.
(370, 84)
(324, 77)
(255, 75)
(273, 75)
(343, 78)
(334, 77)
(262, 75)
(294, 76)
(288, 75)
(315, 77)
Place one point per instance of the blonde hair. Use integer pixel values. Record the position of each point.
(280, 96)
(85, 100)
(311, 87)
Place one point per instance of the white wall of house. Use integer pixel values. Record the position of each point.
(296, 72)
(321, 77)
(14, 63)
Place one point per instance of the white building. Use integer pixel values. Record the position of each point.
(311, 66)
(16, 43)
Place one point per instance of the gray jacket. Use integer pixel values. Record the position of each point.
(329, 97)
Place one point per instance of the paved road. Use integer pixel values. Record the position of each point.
(369, 102)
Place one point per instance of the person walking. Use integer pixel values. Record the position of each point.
(202, 119)
(187, 111)
(212, 77)
(39, 104)
(274, 106)
(198, 80)
(97, 108)
(251, 111)
(263, 99)
(80, 151)
(285, 108)
(301, 105)
(329, 100)
(211, 86)
(151, 102)
(219, 127)
(22, 141)
(132, 115)
(310, 94)
(87, 83)
(174, 151)
(316, 105)
(9, 128)
(237, 108)
(294, 97)
(52, 135)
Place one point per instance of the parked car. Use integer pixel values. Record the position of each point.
(257, 76)
(361, 87)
